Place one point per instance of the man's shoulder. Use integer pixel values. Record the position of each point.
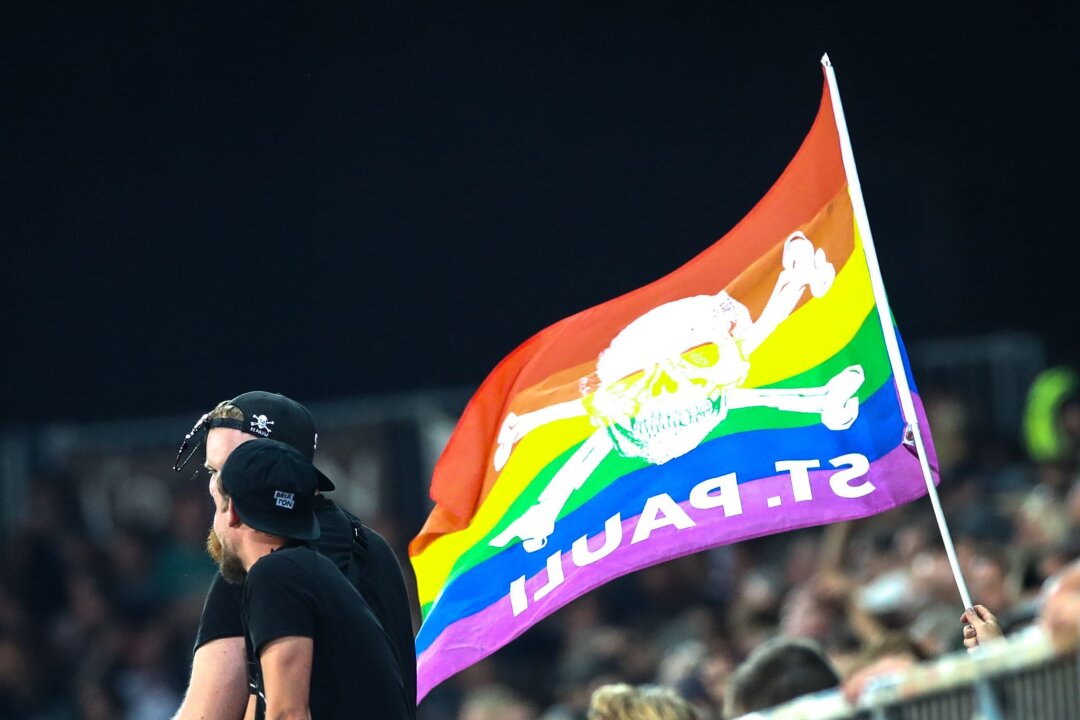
(327, 509)
(288, 561)
(330, 513)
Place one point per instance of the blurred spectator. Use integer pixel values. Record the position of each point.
(495, 702)
(182, 570)
(779, 670)
(951, 421)
(1060, 615)
(647, 702)
(1051, 425)
(887, 654)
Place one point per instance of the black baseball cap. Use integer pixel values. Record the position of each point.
(272, 487)
(267, 415)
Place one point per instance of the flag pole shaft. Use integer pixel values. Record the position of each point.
(892, 345)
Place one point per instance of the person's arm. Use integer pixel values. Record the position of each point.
(218, 689)
(286, 673)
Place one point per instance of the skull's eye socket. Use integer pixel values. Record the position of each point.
(626, 382)
(704, 355)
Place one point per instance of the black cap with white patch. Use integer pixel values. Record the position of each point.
(266, 415)
(272, 486)
(274, 416)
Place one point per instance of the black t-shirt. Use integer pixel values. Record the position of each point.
(295, 591)
(372, 567)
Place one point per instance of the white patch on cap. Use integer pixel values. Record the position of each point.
(260, 425)
(284, 499)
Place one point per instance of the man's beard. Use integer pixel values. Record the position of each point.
(232, 568)
(213, 546)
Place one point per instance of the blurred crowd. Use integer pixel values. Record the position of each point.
(102, 626)
(99, 627)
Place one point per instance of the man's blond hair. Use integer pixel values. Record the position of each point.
(620, 701)
(225, 410)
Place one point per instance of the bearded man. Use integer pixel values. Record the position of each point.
(317, 648)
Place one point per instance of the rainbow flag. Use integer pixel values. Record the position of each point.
(748, 392)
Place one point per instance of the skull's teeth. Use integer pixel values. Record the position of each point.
(663, 422)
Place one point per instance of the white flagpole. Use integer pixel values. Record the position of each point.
(907, 405)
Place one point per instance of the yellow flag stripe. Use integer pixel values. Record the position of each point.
(818, 329)
(530, 456)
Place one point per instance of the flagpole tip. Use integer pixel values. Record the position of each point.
(825, 60)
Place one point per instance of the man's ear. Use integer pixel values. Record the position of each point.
(231, 515)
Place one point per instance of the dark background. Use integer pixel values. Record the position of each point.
(332, 199)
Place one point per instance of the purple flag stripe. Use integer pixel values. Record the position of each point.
(896, 477)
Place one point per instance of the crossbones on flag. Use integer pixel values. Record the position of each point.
(748, 392)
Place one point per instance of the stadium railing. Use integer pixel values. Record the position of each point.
(1022, 678)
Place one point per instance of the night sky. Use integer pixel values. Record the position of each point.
(348, 199)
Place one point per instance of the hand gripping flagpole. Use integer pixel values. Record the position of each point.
(907, 405)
